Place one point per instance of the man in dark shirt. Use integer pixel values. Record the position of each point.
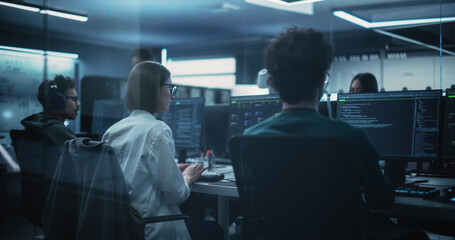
(60, 102)
(297, 63)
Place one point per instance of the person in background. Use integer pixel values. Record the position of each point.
(146, 152)
(60, 102)
(363, 83)
(297, 63)
(141, 54)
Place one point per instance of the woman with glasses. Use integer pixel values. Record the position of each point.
(145, 149)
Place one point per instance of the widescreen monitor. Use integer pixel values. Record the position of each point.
(216, 123)
(185, 118)
(246, 111)
(448, 143)
(324, 110)
(401, 125)
(106, 113)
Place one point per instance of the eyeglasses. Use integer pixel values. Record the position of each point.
(172, 88)
(74, 98)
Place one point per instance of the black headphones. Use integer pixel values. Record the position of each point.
(57, 101)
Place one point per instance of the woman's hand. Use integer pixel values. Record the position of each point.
(193, 172)
(183, 166)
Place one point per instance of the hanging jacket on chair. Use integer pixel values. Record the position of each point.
(88, 198)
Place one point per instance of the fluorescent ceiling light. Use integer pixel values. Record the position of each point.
(356, 20)
(61, 54)
(303, 7)
(295, 3)
(43, 10)
(164, 56)
(41, 52)
(413, 41)
(23, 7)
(71, 16)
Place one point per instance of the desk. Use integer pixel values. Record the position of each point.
(223, 190)
(404, 206)
(418, 207)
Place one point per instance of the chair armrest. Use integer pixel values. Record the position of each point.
(165, 218)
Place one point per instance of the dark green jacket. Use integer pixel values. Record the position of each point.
(379, 192)
(42, 123)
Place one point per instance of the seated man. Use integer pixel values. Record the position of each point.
(297, 63)
(60, 102)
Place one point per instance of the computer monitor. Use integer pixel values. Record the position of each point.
(324, 110)
(185, 118)
(246, 111)
(216, 124)
(106, 113)
(401, 125)
(448, 136)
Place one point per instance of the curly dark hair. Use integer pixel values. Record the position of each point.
(297, 62)
(63, 84)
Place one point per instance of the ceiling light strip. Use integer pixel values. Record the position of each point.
(164, 56)
(351, 18)
(361, 22)
(295, 3)
(71, 16)
(19, 6)
(413, 41)
(42, 10)
(41, 52)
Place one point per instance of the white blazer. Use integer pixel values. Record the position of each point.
(145, 149)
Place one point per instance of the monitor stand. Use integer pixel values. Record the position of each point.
(395, 171)
(182, 156)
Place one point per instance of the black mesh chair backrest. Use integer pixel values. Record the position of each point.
(296, 188)
(37, 158)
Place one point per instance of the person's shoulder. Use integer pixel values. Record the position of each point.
(344, 126)
(261, 127)
(162, 127)
(60, 128)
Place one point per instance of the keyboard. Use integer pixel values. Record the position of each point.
(210, 176)
(416, 191)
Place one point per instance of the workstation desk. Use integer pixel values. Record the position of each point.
(404, 206)
(419, 207)
(223, 190)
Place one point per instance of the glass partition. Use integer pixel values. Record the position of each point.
(404, 44)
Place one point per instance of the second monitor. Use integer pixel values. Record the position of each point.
(246, 111)
(402, 125)
(185, 118)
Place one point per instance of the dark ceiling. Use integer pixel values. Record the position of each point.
(181, 23)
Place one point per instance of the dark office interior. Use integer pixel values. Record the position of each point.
(214, 51)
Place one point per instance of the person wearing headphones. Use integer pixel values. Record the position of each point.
(60, 102)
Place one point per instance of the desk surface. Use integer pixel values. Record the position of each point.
(225, 187)
(419, 207)
(404, 206)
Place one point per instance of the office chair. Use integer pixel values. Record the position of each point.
(37, 158)
(293, 187)
(89, 199)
